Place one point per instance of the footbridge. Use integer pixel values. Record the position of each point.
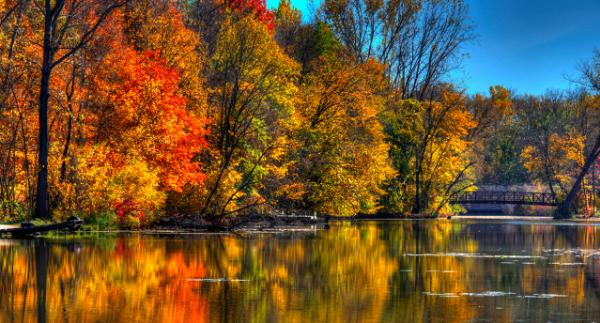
(505, 197)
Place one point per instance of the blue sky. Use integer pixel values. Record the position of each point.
(526, 45)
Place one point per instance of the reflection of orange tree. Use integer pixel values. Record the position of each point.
(145, 279)
(133, 282)
(15, 273)
(353, 277)
(349, 273)
(340, 275)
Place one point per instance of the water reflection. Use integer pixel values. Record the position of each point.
(367, 271)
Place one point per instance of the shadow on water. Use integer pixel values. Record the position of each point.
(368, 271)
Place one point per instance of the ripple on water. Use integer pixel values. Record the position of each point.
(494, 294)
(471, 294)
(577, 252)
(543, 296)
(472, 255)
(217, 280)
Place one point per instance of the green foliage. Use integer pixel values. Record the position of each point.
(400, 125)
(313, 41)
(101, 221)
(15, 211)
(430, 145)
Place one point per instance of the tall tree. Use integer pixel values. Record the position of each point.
(63, 36)
(339, 159)
(430, 148)
(288, 22)
(253, 88)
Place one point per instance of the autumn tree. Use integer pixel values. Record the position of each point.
(369, 29)
(207, 16)
(136, 120)
(252, 98)
(136, 141)
(430, 149)
(339, 159)
(495, 150)
(17, 97)
(288, 22)
(158, 26)
(63, 36)
(548, 120)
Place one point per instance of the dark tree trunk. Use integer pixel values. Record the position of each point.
(55, 29)
(63, 166)
(41, 204)
(417, 207)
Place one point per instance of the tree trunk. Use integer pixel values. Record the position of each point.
(417, 206)
(42, 209)
(65, 155)
(41, 205)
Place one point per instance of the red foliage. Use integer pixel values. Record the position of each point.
(150, 117)
(256, 7)
(129, 209)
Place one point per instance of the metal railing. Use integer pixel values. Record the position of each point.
(505, 197)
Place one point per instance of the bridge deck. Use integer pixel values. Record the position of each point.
(501, 197)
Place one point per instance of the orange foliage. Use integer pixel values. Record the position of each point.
(148, 117)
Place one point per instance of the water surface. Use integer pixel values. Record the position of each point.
(375, 271)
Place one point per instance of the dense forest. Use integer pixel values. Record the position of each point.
(123, 111)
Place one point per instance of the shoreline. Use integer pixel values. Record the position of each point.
(281, 224)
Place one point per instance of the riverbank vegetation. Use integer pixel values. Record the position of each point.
(123, 112)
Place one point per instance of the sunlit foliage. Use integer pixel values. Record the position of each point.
(252, 104)
(430, 147)
(340, 156)
(214, 108)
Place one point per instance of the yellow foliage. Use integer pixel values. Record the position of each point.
(341, 160)
(252, 104)
(102, 187)
(430, 151)
(564, 156)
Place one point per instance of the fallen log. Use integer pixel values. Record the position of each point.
(27, 229)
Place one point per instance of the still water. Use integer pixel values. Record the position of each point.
(379, 271)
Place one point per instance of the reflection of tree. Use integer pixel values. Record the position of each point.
(12, 290)
(353, 272)
(128, 281)
(418, 274)
(41, 275)
(297, 278)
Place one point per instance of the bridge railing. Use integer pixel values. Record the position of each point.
(504, 197)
